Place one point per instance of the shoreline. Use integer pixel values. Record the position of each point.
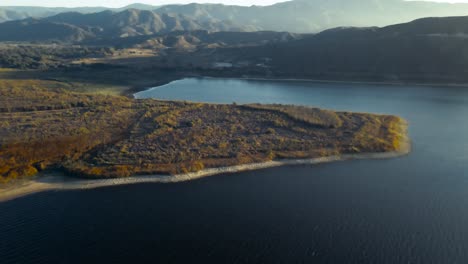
(60, 182)
(343, 81)
(132, 92)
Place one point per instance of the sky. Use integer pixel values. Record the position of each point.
(120, 3)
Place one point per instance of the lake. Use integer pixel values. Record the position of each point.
(412, 209)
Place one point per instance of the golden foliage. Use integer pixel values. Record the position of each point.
(90, 135)
(312, 116)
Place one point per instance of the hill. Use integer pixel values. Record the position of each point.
(9, 13)
(204, 39)
(77, 27)
(299, 16)
(425, 50)
(311, 16)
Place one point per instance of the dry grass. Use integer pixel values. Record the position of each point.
(313, 116)
(44, 124)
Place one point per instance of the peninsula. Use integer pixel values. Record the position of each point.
(48, 124)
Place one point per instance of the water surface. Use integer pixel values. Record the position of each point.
(412, 209)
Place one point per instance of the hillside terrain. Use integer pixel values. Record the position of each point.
(425, 50)
(75, 27)
(298, 16)
(9, 13)
(428, 50)
(312, 16)
(157, 47)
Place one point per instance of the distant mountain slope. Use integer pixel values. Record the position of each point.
(425, 49)
(183, 40)
(76, 27)
(9, 13)
(303, 16)
(300, 16)
(20, 12)
(38, 30)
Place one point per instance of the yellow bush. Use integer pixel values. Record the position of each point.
(29, 171)
(196, 166)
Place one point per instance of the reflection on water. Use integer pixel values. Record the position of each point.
(407, 210)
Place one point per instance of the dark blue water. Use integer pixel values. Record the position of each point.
(407, 210)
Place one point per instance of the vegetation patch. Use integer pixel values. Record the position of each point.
(44, 124)
(313, 116)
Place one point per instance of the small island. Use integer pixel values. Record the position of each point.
(48, 125)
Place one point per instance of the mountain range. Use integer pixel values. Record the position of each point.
(9, 13)
(432, 48)
(76, 27)
(299, 16)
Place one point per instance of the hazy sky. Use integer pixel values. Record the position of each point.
(120, 3)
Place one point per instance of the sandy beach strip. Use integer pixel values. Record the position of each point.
(59, 182)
